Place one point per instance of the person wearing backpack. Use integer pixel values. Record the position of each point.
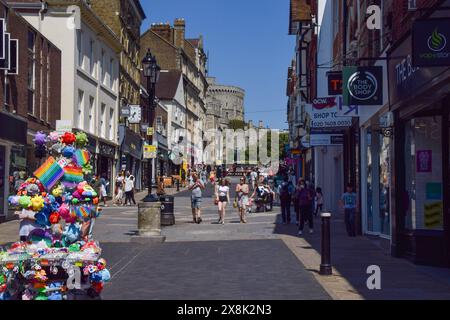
(305, 197)
(285, 191)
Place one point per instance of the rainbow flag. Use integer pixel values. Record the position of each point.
(49, 173)
(73, 174)
(83, 212)
(82, 157)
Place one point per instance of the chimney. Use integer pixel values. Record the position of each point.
(163, 30)
(179, 32)
(261, 125)
(250, 124)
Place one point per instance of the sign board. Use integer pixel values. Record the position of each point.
(5, 62)
(333, 104)
(125, 111)
(306, 141)
(150, 131)
(14, 59)
(363, 86)
(345, 110)
(326, 140)
(2, 38)
(150, 151)
(431, 42)
(335, 83)
(63, 126)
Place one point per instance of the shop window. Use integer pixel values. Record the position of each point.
(423, 174)
(31, 71)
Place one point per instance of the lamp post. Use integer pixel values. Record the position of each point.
(151, 72)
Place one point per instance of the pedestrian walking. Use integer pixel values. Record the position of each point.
(118, 199)
(305, 197)
(285, 190)
(104, 190)
(253, 177)
(319, 201)
(160, 191)
(129, 189)
(242, 193)
(196, 188)
(222, 198)
(349, 203)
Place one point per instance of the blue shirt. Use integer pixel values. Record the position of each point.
(349, 200)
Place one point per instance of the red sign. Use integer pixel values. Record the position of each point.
(334, 83)
(324, 103)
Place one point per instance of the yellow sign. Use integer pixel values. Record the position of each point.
(434, 215)
(150, 131)
(150, 151)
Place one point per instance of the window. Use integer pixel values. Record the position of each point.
(31, 71)
(103, 67)
(80, 114)
(111, 124)
(91, 115)
(412, 5)
(159, 124)
(6, 93)
(91, 58)
(49, 49)
(111, 73)
(41, 77)
(80, 48)
(103, 121)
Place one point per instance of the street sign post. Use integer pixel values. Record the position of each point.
(150, 151)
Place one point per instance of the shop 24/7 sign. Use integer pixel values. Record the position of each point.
(363, 86)
(431, 42)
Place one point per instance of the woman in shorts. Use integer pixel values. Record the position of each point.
(222, 199)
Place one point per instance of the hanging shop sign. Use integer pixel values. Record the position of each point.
(106, 150)
(150, 151)
(150, 131)
(334, 83)
(324, 114)
(5, 62)
(125, 111)
(63, 126)
(431, 42)
(363, 86)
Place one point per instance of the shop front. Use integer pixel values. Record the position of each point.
(131, 152)
(106, 164)
(420, 100)
(13, 162)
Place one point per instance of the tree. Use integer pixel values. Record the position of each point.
(237, 124)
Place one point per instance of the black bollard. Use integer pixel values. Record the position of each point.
(325, 266)
(178, 185)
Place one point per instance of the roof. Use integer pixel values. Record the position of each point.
(194, 42)
(167, 85)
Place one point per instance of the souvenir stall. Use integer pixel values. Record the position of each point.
(57, 257)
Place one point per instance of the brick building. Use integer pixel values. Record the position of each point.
(174, 52)
(29, 102)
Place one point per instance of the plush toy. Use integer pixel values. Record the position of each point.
(14, 201)
(57, 191)
(101, 264)
(42, 219)
(68, 138)
(74, 247)
(53, 136)
(88, 191)
(64, 212)
(40, 138)
(57, 147)
(37, 203)
(72, 233)
(97, 286)
(87, 169)
(41, 238)
(25, 202)
(81, 140)
(68, 152)
(55, 218)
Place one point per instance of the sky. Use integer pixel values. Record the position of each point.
(248, 46)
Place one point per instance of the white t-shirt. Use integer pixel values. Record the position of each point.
(129, 184)
(223, 191)
(254, 175)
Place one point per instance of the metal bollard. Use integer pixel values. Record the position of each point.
(325, 266)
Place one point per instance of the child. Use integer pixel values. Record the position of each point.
(319, 201)
(349, 203)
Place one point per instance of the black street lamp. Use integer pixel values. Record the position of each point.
(151, 72)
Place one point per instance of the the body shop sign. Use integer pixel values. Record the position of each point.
(431, 42)
(363, 86)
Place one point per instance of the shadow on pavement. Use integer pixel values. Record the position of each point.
(400, 279)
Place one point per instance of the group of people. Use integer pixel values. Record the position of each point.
(124, 192)
(308, 203)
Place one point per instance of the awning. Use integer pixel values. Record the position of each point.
(132, 143)
(13, 128)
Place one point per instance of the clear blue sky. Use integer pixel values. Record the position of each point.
(248, 46)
